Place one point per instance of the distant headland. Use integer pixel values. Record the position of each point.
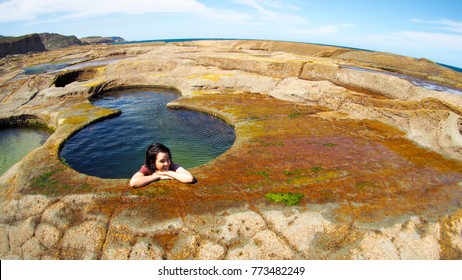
(39, 42)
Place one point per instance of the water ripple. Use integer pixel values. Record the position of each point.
(115, 148)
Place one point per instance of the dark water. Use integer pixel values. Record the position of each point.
(44, 68)
(115, 148)
(69, 65)
(15, 143)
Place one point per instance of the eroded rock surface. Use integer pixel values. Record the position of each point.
(376, 157)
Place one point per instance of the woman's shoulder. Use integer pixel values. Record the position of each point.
(175, 167)
(145, 170)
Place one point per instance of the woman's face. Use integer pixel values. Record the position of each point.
(163, 162)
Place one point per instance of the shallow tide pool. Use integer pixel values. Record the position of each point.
(115, 148)
(16, 143)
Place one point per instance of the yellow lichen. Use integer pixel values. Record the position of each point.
(210, 76)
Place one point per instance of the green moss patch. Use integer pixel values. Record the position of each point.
(288, 199)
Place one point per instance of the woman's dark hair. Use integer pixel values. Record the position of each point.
(151, 155)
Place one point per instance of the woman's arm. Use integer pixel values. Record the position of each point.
(179, 174)
(139, 179)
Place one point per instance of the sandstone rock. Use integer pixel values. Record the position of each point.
(48, 235)
(417, 241)
(20, 232)
(319, 71)
(240, 225)
(299, 228)
(185, 247)
(386, 85)
(456, 234)
(118, 243)
(260, 65)
(8, 211)
(137, 220)
(110, 221)
(449, 135)
(25, 207)
(4, 240)
(146, 249)
(265, 245)
(88, 207)
(59, 215)
(83, 241)
(32, 249)
(375, 247)
(32, 205)
(210, 251)
(116, 251)
(322, 93)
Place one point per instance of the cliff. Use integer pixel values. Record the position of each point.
(53, 41)
(101, 40)
(47, 42)
(19, 45)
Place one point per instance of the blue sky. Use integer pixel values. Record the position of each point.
(426, 28)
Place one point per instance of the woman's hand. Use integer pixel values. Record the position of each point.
(164, 175)
(140, 180)
(179, 174)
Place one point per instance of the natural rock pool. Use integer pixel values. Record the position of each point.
(115, 148)
(16, 142)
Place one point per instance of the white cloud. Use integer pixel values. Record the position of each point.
(432, 40)
(441, 24)
(417, 41)
(271, 11)
(325, 30)
(449, 25)
(43, 10)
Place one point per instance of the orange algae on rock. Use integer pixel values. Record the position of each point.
(332, 160)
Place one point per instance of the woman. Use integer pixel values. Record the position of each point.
(159, 166)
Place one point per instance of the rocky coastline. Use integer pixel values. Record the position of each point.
(376, 159)
(33, 43)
